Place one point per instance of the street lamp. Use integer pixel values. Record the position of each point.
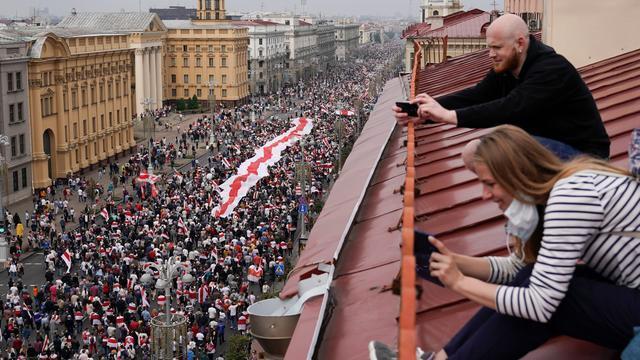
(212, 106)
(4, 247)
(338, 128)
(303, 173)
(150, 128)
(168, 328)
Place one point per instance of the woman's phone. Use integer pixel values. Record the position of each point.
(423, 249)
(407, 107)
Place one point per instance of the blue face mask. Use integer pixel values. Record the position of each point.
(522, 220)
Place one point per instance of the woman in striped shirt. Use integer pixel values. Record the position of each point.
(577, 275)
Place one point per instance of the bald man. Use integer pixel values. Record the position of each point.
(530, 86)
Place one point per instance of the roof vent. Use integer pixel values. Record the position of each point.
(73, 11)
(273, 321)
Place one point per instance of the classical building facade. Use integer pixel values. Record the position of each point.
(267, 55)
(207, 57)
(347, 38)
(326, 44)
(14, 120)
(80, 99)
(146, 36)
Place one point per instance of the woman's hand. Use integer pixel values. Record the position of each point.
(443, 265)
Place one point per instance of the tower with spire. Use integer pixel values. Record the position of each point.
(431, 8)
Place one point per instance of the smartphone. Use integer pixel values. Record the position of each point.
(423, 249)
(407, 107)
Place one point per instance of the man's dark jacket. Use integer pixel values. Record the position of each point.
(549, 99)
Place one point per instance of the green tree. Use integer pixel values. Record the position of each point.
(239, 348)
(181, 105)
(193, 103)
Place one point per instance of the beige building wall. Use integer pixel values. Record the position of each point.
(80, 102)
(213, 52)
(523, 6)
(589, 31)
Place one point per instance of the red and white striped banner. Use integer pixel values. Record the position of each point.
(345, 112)
(254, 169)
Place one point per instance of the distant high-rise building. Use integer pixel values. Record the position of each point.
(211, 10)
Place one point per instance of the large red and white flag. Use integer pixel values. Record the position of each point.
(66, 257)
(256, 168)
(145, 177)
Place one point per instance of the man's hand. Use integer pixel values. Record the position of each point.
(428, 109)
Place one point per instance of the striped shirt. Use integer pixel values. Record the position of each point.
(589, 217)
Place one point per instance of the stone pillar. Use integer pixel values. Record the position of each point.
(139, 81)
(147, 75)
(159, 94)
(152, 77)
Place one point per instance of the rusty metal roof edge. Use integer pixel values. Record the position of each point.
(382, 101)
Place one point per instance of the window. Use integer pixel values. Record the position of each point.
(84, 97)
(110, 91)
(210, 48)
(65, 101)
(198, 79)
(84, 127)
(15, 181)
(186, 79)
(224, 93)
(19, 80)
(95, 149)
(173, 61)
(118, 116)
(184, 48)
(110, 119)
(46, 105)
(174, 93)
(77, 156)
(86, 152)
(101, 93)
(12, 113)
(199, 93)
(20, 112)
(101, 121)
(186, 93)
(9, 81)
(14, 148)
(223, 48)
(260, 41)
(117, 89)
(198, 62)
(197, 48)
(211, 78)
(211, 62)
(75, 130)
(22, 145)
(224, 79)
(93, 94)
(224, 62)
(74, 100)
(125, 91)
(173, 78)
(185, 62)
(66, 134)
(24, 178)
(93, 124)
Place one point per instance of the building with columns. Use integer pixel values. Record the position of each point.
(80, 99)
(146, 36)
(14, 120)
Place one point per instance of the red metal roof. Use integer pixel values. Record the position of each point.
(460, 24)
(448, 204)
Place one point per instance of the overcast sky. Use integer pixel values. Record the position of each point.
(394, 8)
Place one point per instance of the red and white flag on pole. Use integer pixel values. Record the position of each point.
(66, 257)
(203, 293)
(326, 142)
(226, 163)
(143, 294)
(182, 228)
(105, 214)
(45, 344)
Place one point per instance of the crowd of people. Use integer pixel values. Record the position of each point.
(93, 302)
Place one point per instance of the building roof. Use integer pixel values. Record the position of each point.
(363, 241)
(255, 22)
(130, 22)
(460, 24)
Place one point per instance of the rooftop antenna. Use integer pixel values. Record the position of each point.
(495, 5)
(303, 3)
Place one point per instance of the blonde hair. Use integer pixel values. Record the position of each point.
(525, 168)
(528, 172)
